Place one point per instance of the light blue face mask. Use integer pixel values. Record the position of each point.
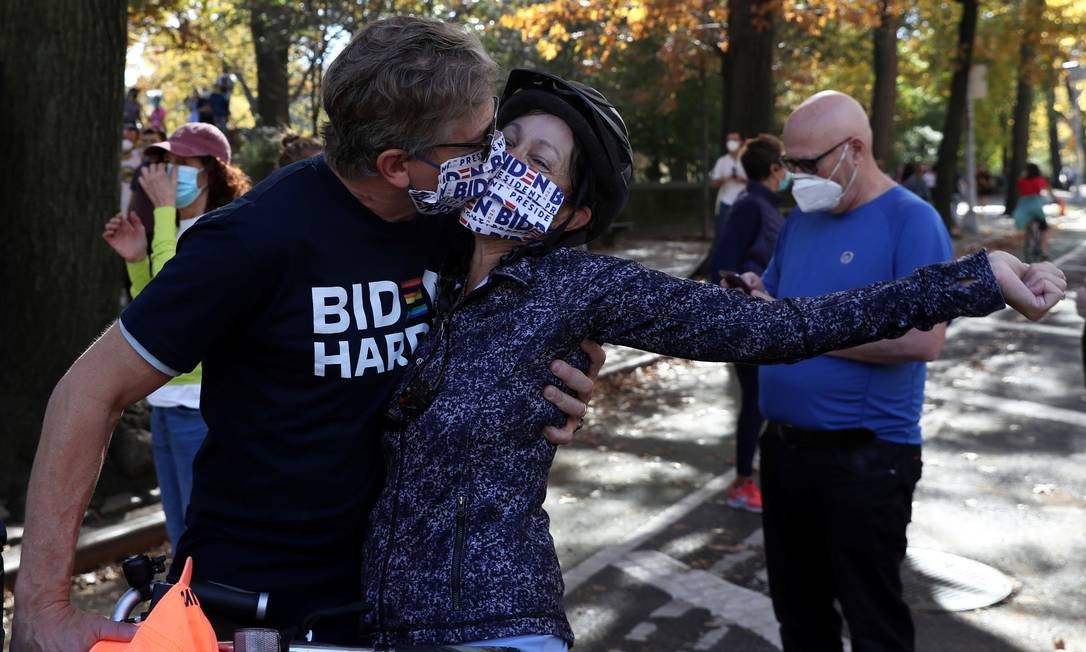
(187, 188)
(785, 182)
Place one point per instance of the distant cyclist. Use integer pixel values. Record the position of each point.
(1032, 188)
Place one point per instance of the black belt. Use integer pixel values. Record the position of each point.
(793, 436)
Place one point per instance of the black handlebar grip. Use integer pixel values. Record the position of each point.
(247, 606)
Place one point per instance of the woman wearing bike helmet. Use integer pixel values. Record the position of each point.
(460, 550)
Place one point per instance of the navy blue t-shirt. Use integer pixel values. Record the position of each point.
(304, 308)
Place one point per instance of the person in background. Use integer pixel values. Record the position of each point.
(297, 148)
(148, 137)
(220, 106)
(131, 156)
(131, 113)
(841, 452)
(198, 179)
(139, 203)
(193, 105)
(728, 178)
(912, 178)
(157, 119)
(1033, 193)
(746, 245)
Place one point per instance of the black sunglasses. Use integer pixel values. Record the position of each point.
(483, 144)
(810, 165)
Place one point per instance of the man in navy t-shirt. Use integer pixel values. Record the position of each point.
(841, 450)
(304, 300)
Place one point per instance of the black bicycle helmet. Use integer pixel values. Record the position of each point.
(598, 129)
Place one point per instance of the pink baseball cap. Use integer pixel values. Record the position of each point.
(197, 139)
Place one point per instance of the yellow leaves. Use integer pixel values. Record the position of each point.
(600, 29)
(547, 49)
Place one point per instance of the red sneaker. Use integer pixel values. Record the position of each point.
(744, 494)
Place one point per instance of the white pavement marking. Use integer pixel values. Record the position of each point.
(729, 602)
(1013, 407)
(641, 632)
(608, 556)
(1079, 248)
(710, 639)
(671, 609)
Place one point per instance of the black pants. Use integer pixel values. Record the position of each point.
(749, 423)
(835, 520)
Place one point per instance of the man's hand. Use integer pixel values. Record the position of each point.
(757, 289)
(60, 627)
(582, 384)
(127, 237)
(1030, 289)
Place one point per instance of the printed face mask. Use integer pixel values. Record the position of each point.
(187, 188)
(459, 180)
(519, 203)
(814, 193)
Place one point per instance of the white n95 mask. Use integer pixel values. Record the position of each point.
(814, 193)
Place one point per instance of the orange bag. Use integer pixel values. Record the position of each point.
(177, 624)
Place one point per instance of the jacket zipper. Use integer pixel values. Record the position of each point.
(458, 551)
(391, 535)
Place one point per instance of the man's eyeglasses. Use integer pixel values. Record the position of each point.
(483, 144)
(810, 165)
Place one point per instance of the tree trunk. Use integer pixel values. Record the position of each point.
(60, 288)
(748, 68)
(884, 96)
(1055, 159)
(1023, 102)
(946, 168)
(270, 22)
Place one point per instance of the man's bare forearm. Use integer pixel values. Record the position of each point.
(79, 419)
(914, 346)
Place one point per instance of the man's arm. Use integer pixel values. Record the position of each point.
(79, 419)
(914, 346)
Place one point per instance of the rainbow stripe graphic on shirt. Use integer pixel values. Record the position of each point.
(414, 298)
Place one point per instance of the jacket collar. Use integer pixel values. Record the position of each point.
(522, 270)
(758, 189)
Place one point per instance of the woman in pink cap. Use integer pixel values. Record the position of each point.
(198, 178)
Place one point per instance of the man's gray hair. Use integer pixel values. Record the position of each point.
(402, 83)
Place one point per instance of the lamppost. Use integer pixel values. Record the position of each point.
(1075, 74)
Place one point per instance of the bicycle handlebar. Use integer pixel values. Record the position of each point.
(232, 601)
(228, 600)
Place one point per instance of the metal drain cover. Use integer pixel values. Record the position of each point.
(940, 581)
